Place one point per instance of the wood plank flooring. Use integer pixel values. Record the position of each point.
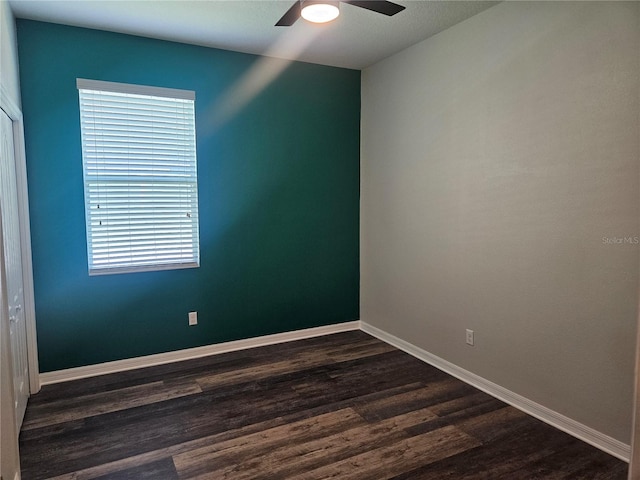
(344, 406)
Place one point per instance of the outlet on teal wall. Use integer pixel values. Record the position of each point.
(278, 181)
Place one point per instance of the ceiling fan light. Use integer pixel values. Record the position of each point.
(318, 11)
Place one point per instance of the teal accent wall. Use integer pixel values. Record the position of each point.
(278, 197)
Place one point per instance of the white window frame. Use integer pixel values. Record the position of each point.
(148, 162)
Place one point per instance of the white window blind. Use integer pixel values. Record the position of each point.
(140, 177)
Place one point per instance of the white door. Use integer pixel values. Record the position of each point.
(13, 266)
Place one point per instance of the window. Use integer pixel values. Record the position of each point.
(140, 177)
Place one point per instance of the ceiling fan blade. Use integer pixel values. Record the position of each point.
(386, 8)
(291, 16)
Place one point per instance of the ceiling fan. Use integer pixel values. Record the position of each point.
(321, 11)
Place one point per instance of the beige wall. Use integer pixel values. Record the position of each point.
(500, 167)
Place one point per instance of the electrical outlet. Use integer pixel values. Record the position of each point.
(469, 337)
(193, 318)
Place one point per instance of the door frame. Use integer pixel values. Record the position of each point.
(9, 450)
(15, 114)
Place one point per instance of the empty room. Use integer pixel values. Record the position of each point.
(319, 239)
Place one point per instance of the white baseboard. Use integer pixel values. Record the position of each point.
(586, 434)
(187, 354)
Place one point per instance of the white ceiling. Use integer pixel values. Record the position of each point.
(357, 39)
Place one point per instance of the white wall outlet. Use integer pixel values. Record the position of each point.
(193, 318)
(469, 337)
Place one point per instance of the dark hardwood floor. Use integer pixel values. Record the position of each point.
(343, 406)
